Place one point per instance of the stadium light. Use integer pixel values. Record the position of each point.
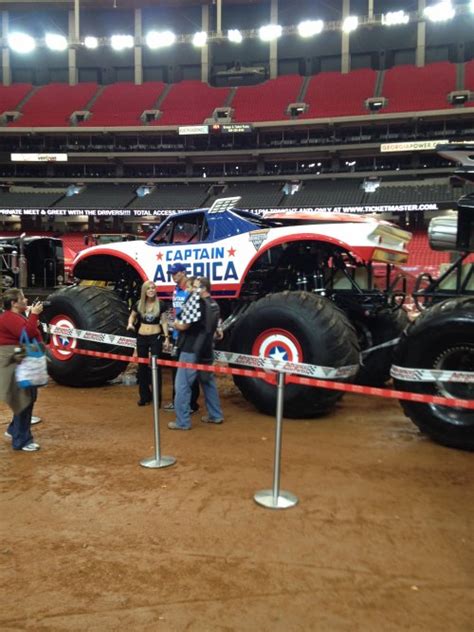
(393, 18)
(308, 28)
(160, 39)
(270, 32)
(200, 38)
(56, 42)
(235, 36)
(120, 42)
(441, 12)
(91, 42)
(350, 23)
(472, 6)
(21, 42)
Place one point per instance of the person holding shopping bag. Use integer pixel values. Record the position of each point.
(13, 323)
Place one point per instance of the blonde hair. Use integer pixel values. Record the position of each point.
(190, 281)
(141, 307)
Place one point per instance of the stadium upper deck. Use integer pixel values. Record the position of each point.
(403, 90)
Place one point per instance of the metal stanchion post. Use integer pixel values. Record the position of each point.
(275, 498)
(157, 460)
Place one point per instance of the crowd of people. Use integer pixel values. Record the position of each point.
(194, 326)
(187, 331)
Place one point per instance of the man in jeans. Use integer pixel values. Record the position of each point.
(197, 326)
(180, 294)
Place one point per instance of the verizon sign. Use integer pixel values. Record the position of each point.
(38, 157)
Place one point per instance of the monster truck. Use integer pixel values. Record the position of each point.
(32, 263)
(290, 286)
(442, 337)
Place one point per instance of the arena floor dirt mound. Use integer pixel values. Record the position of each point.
(381, 540)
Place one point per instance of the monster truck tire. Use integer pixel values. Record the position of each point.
(93, 309)
(385, 326)
(300, 327)
(441, 338)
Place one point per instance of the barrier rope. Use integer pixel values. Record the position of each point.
(299, 368)
(295, 379)
(309, 370)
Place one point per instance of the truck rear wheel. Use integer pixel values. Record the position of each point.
(298, 327)
(442, 337)
(90, 308)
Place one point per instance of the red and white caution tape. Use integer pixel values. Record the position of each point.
(309, 370)
(293, 368)
(92, 336)
(305, 381)
(300, 368)
(431, 375)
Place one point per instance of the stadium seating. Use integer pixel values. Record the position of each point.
(267, 101)
(10, 96)
(35, 199)
(99, 196)
(316, 193)
(172, 196)
(332, 94)
(52, 105)
(122, 104)
(328, 94)
(469, 79)
(190, 103)
(74, 241)
(420, 253)
(253, 194)
(417, 192)
(411, 89)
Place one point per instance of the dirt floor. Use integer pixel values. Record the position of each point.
(382, 537)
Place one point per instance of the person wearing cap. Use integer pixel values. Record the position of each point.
(180, 294)
(198, 325)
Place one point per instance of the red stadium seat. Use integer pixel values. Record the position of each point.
(410, 89)
(52, 105)
(191, 103)
(10, 96)
(335, 94)
(267, 101)
(123, 103)
(420, 253)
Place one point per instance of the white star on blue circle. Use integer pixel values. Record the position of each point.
(278, 353)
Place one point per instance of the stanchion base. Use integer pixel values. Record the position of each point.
(164, 461)
(284, 500)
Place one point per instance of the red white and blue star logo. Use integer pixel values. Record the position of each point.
(62, 346)
(278, 344)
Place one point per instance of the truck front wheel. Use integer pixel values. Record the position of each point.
(90, 308)
(298, 327)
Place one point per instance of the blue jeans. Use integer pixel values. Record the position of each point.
(185, 379)
(20, 426)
